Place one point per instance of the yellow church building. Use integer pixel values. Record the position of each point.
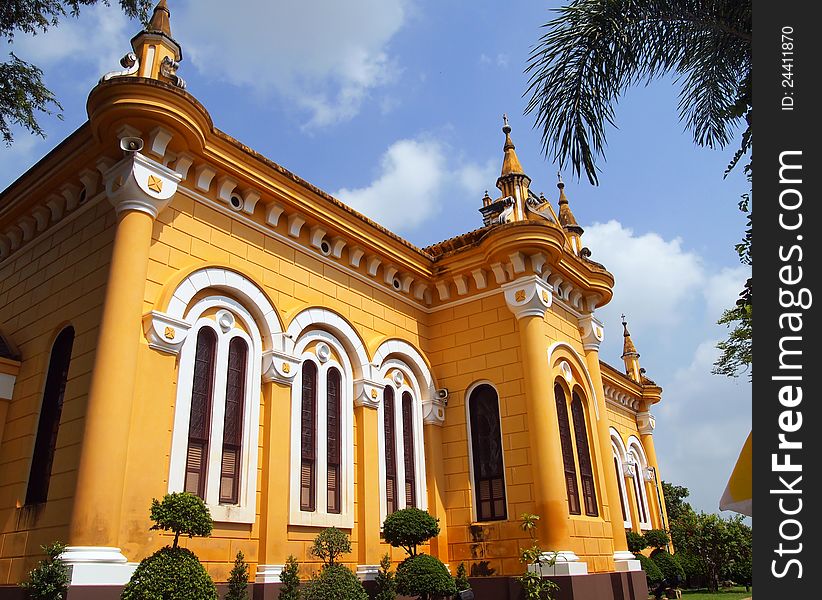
(178, 312)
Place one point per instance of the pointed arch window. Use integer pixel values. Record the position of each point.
(308, 437)
(233, 421)
(568, 463)
(408, 447)
(586, 470)
(487, 455)
(199, 424)
(389, 430)
(49, 423)
(334, 434)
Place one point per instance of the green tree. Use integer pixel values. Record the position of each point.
(50, 578)
(461, 580)
(409, 528)
(22, 92)
(290, 578)
(386, 583)
(238, 579)
(181, 512)
(717, 542)
(595, 50)
(329, 544)
(675, 505)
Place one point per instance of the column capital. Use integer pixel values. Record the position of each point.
(368, 393)
(593, 332)
(645, 422)
(279, 366)
(137, 183)
(528, 296)
(433, 410)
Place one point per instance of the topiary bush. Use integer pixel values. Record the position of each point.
(652, 572)
(170, 574)
(238, 579)
(181, 512)
(636, 541)
(672, 571)
(461, 580)
(408, 528)
(329, 544)
(50, 578)
(657, 538)
(290, 578)
(334, 581)
(424, 576)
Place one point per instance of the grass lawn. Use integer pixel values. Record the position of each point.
(734, 593)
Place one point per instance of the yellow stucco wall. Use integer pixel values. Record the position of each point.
(55, 281)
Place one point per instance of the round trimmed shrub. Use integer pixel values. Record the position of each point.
(170, 574)
(636, 541)
(657, 538)
(334, 581)
(329, 544)
(182, 513)
(672, 571)
(652, 572)
(408, 528)
(424, 576)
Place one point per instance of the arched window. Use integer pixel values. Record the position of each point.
(334, 434)
(308, 437)
(49, 423)
(586, 471)
(486, 453)
(567, 451)
(637, 459)
(199, 424)
(408, 447)
(390, 445)
(619, 486)
(233, 421)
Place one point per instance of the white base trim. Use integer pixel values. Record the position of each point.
(367, 572)
(624, 555)
(97, 565)
(565, 563)
(268, 573)
(622, 566)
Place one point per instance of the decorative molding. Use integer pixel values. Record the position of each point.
(279, 366)
(138, 183)
(433, 411)
(164, 332)
(158, 140)
(645, 422)
(367, 393)
(620, 398)
(97, 565)
(367, 572)
(268, 573)
(592, 332)
(528, 296)
(130, 64)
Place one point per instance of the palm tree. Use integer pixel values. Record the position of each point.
(596, 49)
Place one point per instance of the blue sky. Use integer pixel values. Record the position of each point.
(395, 107)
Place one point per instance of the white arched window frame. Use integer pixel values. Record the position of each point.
(636, 457)
(244, 511)
(468, 393)
(320, 517)
(408, 384)
(618, 450)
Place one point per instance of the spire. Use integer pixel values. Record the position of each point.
(629, 355)
(160, 20)
(510, 164)
(157, 53)
(567, 219)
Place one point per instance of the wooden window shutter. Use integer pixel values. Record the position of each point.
(571, 487)
(584, 457)
(408, 447)
(233, 422)
(619, 489)
(640, 500)
(390, 444)
(49, 423)
(199, 424)
(308, 437)
(486, 452)
(334, 432)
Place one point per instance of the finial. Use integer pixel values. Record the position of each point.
(160, 20)
(560, 183)
(505, 121)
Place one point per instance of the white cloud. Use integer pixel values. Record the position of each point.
(416, 178)
(722, 289)
(325, 56)
(95, 41)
